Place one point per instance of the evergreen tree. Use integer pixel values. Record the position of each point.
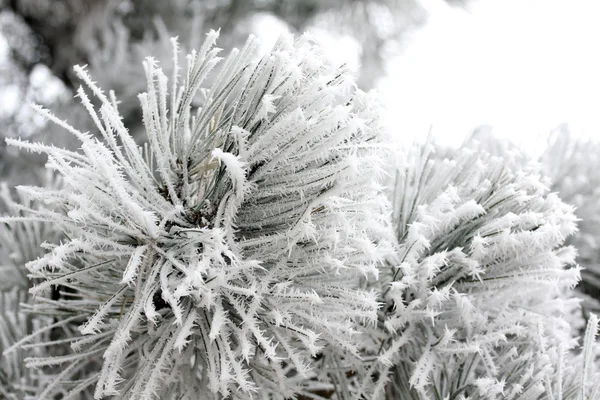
(251, 232)
(229, 250)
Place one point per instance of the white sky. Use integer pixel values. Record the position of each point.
(521, 66)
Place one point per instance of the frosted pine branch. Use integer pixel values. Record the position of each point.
(572, 166)
(478, 302)
(20, 243)
(228, 251)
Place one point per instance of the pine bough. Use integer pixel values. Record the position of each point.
(479, 303)
(246, 250)
(572, 165)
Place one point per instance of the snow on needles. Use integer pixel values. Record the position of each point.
(250, 249)
(221, 253)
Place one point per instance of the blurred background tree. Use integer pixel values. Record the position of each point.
(40, 41)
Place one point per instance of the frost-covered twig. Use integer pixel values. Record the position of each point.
(230, 249)
(478, 303)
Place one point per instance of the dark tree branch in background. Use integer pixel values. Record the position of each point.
(65, 27)
(57, 24)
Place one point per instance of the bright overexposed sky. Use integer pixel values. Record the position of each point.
(521, 66)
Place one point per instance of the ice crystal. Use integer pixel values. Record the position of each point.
(229, 250)
(478, 299)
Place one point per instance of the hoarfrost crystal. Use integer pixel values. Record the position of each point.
(229, 249)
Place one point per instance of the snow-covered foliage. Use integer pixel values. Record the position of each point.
(21, 243)
(248, 249)
(572, 165)
(229, 250)
(478, 303)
